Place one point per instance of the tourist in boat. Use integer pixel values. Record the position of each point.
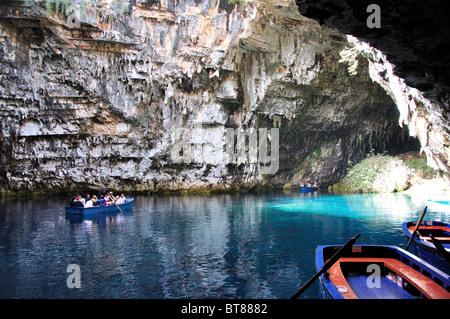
(110, 199)
(101, 201)
(107, 200)
(122, 199)
(77, 201)
(81, 199)
(94, 200)
(88, 204)
(101, 192)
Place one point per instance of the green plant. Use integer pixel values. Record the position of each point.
(421, 167)
(233, 2)
(276, 67)
(350, 56)
(349, 164)
(377, 173)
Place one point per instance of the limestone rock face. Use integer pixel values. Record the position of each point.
(144, 97)
(408, 57)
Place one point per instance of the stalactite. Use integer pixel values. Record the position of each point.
(216, 69)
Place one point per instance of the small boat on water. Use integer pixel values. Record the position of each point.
(423, 242)
(439, 205)
(379, 272)
(99, 209)
(307, 189)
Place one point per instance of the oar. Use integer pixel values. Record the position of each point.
(118, 207)
(114, 201)
(440, 249)
(417, 227)
(327, 265)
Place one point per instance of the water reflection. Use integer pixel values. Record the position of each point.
(224, 246)
(99, 218)
(202, 244)
(366, 206)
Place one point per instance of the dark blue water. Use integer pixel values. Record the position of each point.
(221, 246)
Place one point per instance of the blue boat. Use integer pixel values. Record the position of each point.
(379, 272)
(423, 243)
(100, 209)
(306, 189)
(438, 205)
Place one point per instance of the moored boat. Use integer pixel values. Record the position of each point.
(423, 242)
(99, 209)
(306, 189)
(379, 272)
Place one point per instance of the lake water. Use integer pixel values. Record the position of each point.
(218, 246)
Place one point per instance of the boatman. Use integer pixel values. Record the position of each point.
(101, 192)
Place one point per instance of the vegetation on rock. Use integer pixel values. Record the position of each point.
(385, 174)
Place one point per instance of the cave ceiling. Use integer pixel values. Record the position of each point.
(414, 35)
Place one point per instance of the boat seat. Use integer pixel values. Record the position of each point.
(427, 238)
(425, 285)
(339, 281)
(443, 228)
(442, 239)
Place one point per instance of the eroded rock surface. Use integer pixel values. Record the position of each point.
(408, 57)
(103, 104)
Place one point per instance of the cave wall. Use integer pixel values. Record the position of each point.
(407, 57)
(110, 101)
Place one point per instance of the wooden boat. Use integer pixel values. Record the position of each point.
(99, 209)
(424, 245)
(380, 272)
(306, 189)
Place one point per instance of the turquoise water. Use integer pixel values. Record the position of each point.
(221, 246)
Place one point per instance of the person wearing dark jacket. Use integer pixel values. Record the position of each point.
(76, 202)
(101, 201)
(101, 192)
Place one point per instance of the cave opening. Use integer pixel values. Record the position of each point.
(402, 142)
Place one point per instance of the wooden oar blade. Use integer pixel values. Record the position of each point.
(417, 227)
(326, 266)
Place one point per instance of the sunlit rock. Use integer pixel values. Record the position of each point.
(141, 97)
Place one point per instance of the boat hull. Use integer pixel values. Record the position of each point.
(402, 275)
(423, 245)
(97, 209)
(308, 189)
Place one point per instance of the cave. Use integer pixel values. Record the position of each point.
(412, 37)
(108, 97)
